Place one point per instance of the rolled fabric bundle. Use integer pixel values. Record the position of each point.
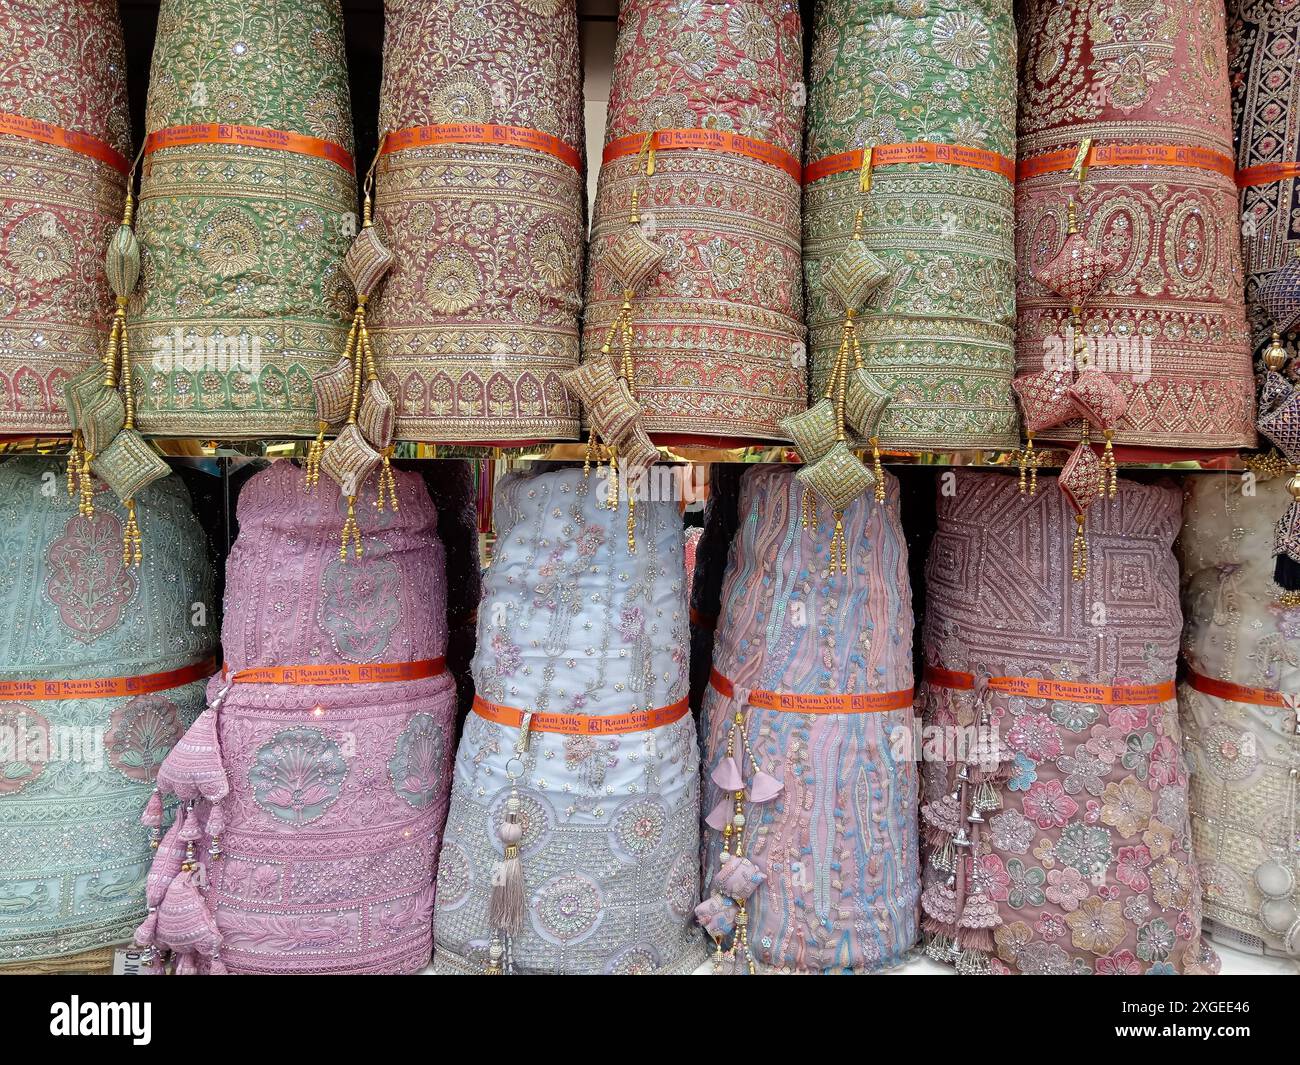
(808, 720)
(572, 845)
(1238, 697)
(65, 146)
(721, 516)
(320, 772)
(694, 310)
(1264, 57)
(102, 668)
(908, 224)
(1130, 289)
(482, 198)
(1054, 806)
(247, 206)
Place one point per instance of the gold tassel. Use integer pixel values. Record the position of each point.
(809, 505)
(631, 523)
(75, 459)
(1029, 466)
(87, 506)
(351, 531)
(877, 469)
(1111, 467)
(132, 544)
(611, 498)
(839, 560)
(1079, 551)
(311, 469)
(387, 482)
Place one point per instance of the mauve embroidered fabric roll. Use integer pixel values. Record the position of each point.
(838, 843)
(65, 142)
(76, 773)
(572, 623)
(337, 792)
(1072, 854)
(1244, 749)
(482, 197)
(247, 206)
(1148, 82)
(718, 344)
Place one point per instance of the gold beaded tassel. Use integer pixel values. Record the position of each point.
(837, 390)
(132, 543)
(74, 463)
(1079, 551)
(733, 844)
(311, 467)
(387, 482)
(809, 509)
(1109, 464)
(387, 494)
(351, 530)
(1029, 466)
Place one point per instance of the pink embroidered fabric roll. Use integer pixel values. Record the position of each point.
(481, 194)
(1058, 834)
(836, 845)
(1155, 266)
(65, 142)
(714, 261)
(333, 795)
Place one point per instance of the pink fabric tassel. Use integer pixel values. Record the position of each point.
(187, 965)
(153, 811)
(738, 878)
(216, 821)
(147, 930)
(166, 864)
(190, 831)
(184, 923)
(717, 915)
(727, 775)
(194, 769)
(764, 788)
(720, 815)
(506, 903)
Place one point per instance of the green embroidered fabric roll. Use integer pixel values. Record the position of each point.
(248, 201)
(936, 327)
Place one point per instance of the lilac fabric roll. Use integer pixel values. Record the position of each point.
(837, 846)
(335, 793)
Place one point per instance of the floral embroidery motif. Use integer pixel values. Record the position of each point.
(418, 764)
(298, 775)
(568, 908)
(87, 580)
(361, 606)
(24, 746)
(140, 735)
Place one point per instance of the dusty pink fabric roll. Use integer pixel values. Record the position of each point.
(333, 795)
(1072, 851)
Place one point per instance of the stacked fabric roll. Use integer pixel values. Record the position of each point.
(1130, 285)
(79, 630)
(573, 840)
(315, 785)
(908, 225)
(482, 198)
(1264, 53)
(694, 304)
(1057, 822)
(808, 718)
(1241, 646)
(65, 143)
(248, 204)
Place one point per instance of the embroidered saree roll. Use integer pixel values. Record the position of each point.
(810, 692)
(706, 246)
(1264, 55)
(1057, 827)
(1138, 287)
(102, 667)
(1241, 647)
(65, 139)
(929, 270)
(573, 846)
(482, 197)
(247, 206)
(320, 771)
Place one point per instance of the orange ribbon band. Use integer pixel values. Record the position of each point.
(339, 673)
(708, 140)
(583, 724)
(12, 691)
(482, 133)
(913, 152)
(1266, 174)
(849, 703)
(1239, 693)
(1130, 155)
(33, 129)
(703, 620)
(249, 137)
(1064, 691)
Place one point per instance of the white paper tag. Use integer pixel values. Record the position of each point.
(129, 961)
